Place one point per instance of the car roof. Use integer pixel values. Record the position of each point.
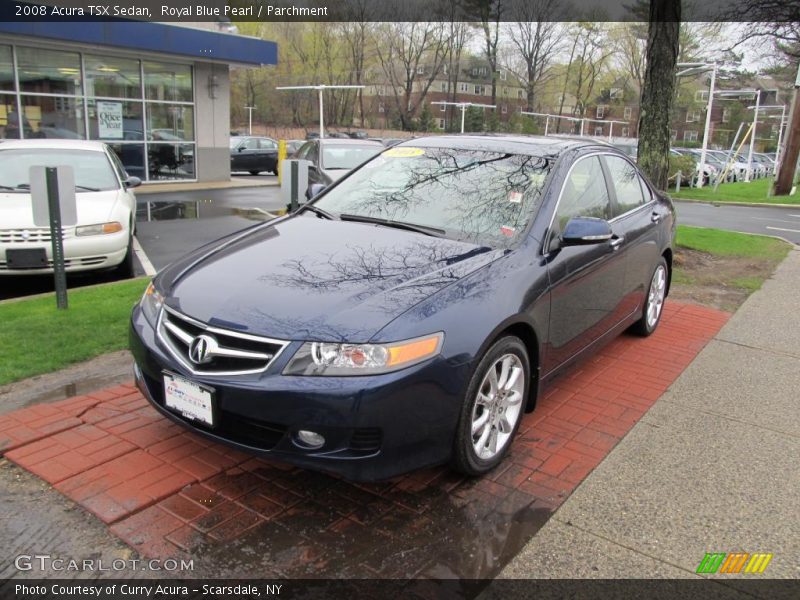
(56, 144)
(537, 145)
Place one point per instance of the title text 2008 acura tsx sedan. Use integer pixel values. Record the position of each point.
(410, 314)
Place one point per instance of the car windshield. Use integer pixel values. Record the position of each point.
(486, 198)
(235, 141)
(347, 157)
(93, 171)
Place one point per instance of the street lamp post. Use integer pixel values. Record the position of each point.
(780, 129)
(694, 68)
(749, 175)
(321, 88)
(463, 106)
(250, 110)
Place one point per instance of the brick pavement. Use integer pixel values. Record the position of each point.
(169, 493)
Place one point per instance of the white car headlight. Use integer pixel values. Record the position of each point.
(329, 358)
(99, 228)
(151, 304)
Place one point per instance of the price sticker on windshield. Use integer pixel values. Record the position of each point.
(404, 152)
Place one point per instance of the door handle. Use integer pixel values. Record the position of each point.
(616, 242)
(655, 217)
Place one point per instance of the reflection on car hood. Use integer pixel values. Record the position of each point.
(92, 207)
(306, 278)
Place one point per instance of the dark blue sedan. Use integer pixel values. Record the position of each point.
(413, 311)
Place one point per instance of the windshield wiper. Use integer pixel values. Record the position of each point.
(424, 229)
(7, 187)
(87, 188)
(315, 209)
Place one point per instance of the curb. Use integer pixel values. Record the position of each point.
(736, 203)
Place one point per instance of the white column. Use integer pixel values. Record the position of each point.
(749, 175)
(321, 114)
(707, 130)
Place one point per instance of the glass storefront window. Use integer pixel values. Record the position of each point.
(170, 161)
(132, 158)
(115, 120)
(112, 77)
(6, 69)
(52, 117)
(170, 122)
(169, 82)
(48, 71)
(9, 118)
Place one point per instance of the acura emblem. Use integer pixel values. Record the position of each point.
(202, 348)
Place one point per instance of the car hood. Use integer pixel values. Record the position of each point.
(92, 207)
(306, 278)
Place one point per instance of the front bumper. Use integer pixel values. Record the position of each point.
(80, 253)
(375, 427)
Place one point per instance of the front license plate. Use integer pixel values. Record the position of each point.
(189, 399)
(26, 258)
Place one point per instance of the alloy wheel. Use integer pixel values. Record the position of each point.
(655, 298)
(497, 406)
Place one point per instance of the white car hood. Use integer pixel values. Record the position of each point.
(92, 207)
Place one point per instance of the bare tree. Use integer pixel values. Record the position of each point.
(409, 54)
(489, 14)
(536, 40)
(630, 43)
(592, 54)
(459, 34)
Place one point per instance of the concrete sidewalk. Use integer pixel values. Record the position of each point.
(711, 467)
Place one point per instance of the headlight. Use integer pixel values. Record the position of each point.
(326, 358)
(99, 228)
(151, 303)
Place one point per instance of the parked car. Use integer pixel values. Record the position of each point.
(413, 311)
(333, 158)
(254, 154)
(106, 208)
(293, 146)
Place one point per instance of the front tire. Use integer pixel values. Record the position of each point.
(654, 301)
(254, 172)
(493, 407)
(126, 267)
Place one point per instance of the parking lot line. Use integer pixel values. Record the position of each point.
(782, 229)
(148, 267)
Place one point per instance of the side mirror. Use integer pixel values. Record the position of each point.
(586, 230)
(132, 182)
(240, 149)
(314, 190)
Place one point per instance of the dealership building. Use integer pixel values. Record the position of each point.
(158, 94)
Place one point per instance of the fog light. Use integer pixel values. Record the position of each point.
(309, 439)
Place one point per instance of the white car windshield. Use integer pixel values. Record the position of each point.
(93, 171)
(347, 157)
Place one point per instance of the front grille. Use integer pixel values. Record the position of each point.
(227, 352)
(33, 235)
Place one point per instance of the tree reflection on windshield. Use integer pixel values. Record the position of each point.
(485, 198)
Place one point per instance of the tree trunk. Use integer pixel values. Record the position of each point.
(658, 91)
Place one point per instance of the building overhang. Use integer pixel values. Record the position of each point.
(160, 38)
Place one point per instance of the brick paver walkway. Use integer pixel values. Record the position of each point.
(167, 492)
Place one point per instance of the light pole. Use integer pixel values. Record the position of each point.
(780, 130)
(250, 110)
(749, 175)
(463, 106)
(692, 69)
(321, 88)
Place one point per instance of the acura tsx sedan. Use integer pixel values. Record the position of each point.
(412, 312)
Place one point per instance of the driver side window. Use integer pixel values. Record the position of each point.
(250, 144)
(584, 194)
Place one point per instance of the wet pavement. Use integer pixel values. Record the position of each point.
(168, 493)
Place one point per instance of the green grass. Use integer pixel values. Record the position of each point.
(728, 243)
(38, 338)
(757, 192)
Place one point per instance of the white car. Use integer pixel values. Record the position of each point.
(106, 208)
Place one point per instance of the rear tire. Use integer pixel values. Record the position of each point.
(254, 172)
(654, 301)
(493, 407)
